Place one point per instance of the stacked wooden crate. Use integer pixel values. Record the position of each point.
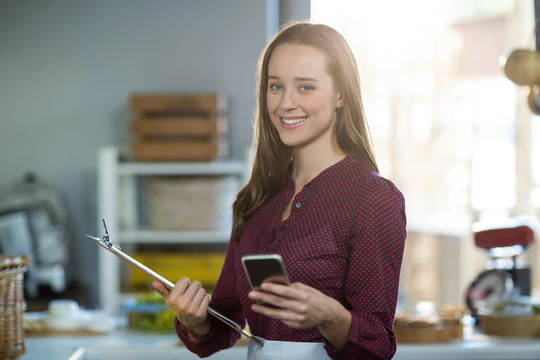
(179, 127)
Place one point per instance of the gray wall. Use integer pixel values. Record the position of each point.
(67, 69)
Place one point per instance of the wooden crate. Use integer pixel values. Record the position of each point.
(179, 127)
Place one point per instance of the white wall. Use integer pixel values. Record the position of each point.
(67, 69)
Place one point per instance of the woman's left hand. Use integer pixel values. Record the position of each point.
(300, 306)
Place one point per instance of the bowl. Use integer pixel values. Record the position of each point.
(63, 308)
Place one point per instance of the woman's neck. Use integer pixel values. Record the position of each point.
(307, 165)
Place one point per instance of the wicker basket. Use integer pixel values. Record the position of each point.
(519, 326)
(429, 334)
(190, 203)
(12, 305)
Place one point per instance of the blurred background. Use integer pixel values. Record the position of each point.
(450, 129)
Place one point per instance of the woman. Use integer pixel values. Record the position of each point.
(315, 198)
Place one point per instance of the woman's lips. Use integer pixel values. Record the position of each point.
(292, 122)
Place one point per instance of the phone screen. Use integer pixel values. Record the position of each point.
(261, 268)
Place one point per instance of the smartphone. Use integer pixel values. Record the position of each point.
(266, 267)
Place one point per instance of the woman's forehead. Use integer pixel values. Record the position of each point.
(297, 61)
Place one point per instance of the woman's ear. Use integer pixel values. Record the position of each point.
(340, 101)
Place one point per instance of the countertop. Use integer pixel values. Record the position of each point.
(474, 346)
(119, 344)
(126, 344)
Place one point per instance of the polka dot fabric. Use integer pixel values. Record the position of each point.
(345, 237)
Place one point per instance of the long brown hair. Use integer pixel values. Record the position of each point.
(272, 157)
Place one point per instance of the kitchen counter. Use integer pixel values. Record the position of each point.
(126, 344)
(473, 347)
(120, 344)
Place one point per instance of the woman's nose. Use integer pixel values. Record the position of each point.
(288, 101)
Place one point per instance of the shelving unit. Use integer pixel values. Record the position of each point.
(118, 205)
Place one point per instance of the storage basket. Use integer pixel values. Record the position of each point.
(12, 305)
(190, 203)
(507, 325)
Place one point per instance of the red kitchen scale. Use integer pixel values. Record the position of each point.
(503, 275)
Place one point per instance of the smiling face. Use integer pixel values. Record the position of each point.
(301, 97)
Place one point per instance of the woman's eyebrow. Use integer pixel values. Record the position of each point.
(306, 79)
(274, 77)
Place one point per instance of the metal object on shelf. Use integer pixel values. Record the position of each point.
(503, 277)
(106, 243)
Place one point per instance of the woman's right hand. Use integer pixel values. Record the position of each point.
(190, 302)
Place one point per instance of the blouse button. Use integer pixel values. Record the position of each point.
(298, 205)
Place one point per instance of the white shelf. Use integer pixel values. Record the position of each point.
(173, 237)
(222, 167)
(117, 204)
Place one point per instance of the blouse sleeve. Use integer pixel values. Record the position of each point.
(225, 301)
(372, 281)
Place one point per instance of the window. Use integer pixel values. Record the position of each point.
(446, 125)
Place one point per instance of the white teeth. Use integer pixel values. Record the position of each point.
(293, 121)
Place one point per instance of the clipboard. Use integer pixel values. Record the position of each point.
(106, 243)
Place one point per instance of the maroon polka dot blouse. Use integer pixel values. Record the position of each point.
(345, 237)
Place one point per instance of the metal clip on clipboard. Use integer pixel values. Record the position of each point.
(106, 243)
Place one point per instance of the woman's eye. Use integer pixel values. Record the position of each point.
(306, 88)
(274, 87)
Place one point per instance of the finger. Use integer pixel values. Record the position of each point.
(191, 297)
(287, 291)
(284, 297)
(182, 284)
(179, 288)
(261, 297)
(201, 300)
(160, 288)
(286, 316)
(206, 302)
(264, 309)
(274, 287)
(282, 314)
(195, 295)
(268, 300)
(300, 286)
(191, 290)
(199, 295)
